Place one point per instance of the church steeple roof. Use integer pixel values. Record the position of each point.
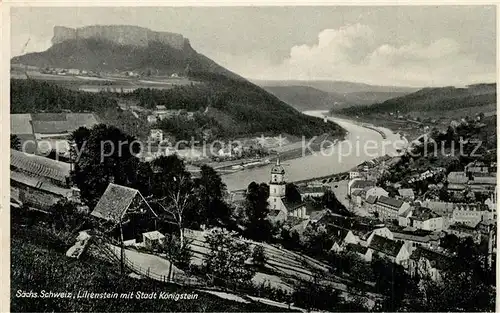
(277, 169)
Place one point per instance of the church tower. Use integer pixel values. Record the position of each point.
(277, 187)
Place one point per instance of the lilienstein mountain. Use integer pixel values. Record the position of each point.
(238, 106)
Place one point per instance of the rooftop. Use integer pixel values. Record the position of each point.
(114, 202)
(40, 166)
(438, 260)
(36, 183)
(386, 246)
(406, 192)
(356, 248)
(371, 199)
(362, 184)
(423, 214)
(153, 235)
(395, 203)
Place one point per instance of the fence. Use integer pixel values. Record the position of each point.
(146, 272)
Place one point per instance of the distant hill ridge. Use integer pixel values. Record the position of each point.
(433, 100)
(119, 34)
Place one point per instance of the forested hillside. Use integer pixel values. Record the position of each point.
(433, 99)
(235, 107)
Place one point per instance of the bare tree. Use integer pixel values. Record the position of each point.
(177, 202)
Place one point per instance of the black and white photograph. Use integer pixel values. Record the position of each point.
(251, 158)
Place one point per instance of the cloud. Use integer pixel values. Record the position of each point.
(351, 53)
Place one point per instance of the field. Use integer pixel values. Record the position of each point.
(104, 82)
(39, 263)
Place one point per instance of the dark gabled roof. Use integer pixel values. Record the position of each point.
(358, 192)
(437, 260)
(274, 213)
(485, 180)
(114, 202)
(39, 184)
(50, 127)
(356, 248)
(395, 203)
(336, 232)
(292, 205)
(40, 166)
(362, 184)
(418, 235)
(314, 189)
(406, 192)
(371, 199)
(385, 246)
(48, 117)
(59, 123)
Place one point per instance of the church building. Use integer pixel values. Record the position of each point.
(279, 206)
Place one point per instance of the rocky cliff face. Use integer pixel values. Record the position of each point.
(120, 34)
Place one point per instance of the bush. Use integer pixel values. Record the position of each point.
(258, 256)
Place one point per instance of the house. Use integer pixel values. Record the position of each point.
(49, 128)
(406, 194)
(464, 231)
(156, 134)
(53, 171)
(426, 219)
(416, 238)
(404, 217)
(312, 191)
(126, 210)
(376, 192)
(483, 180)
(340, 237)
(357, 196)
(363, 252)
(477, 167)
(457, 178)
(428, 263)
(40, 182)
(276, 216)
(39, 193)
(471, 214)
(152, 119)
(153, 239)
(277, 196)
(354, 174)
(440, 207)
(359, 184)
(395, 251)
(389, 208)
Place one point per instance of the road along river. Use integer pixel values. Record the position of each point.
(360, 144)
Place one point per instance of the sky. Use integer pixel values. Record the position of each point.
(383, 45)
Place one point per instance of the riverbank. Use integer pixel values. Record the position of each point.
(336, 159)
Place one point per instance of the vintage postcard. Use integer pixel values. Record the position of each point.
(250, 158)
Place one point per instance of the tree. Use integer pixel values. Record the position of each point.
(176, 198)
(331, 202)
(227, 257)
(178, 254)
(314, 294)
(65, 219)
(292, 193)
(105, 156)
(210, 190)
(258, 256)
(15, 142)
(257, 209)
